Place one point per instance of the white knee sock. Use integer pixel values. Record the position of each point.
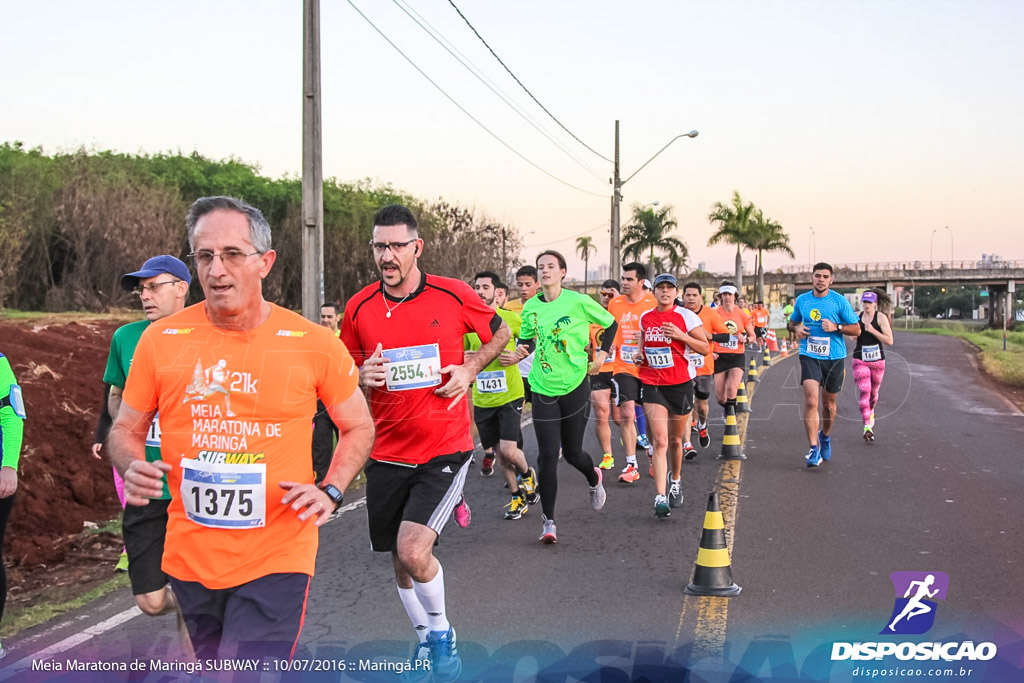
(417, 615)
(431, 597)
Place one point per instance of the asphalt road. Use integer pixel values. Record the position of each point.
(939, 490)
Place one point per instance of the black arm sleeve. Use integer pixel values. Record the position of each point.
(103, 427)
(609, 336)
(721, 337)
(530, 344)
(496, 323)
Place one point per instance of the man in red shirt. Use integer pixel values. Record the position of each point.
(405, 333)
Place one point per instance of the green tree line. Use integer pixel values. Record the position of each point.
(72, 223)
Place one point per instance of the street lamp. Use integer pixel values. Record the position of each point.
(812, 240)
(615, 258)
(931, 250)
(950, 247)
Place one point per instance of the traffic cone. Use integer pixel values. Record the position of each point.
(712, 573)
(731, 447)
(752, 373)
(784, 350)
(742, 404)
(767, 357)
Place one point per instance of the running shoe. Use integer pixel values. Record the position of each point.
(643, 442)
(813, 457)
(3, 652)
(689, 452)
(630, 475)
(444, 655)
(529, 485)
(704, 438)
(463, 514)
(675, 494)
(869, 435)
(608, 461)
(419, 666)
(122, 562)
(661, 507)
(487, 466)
(693, 428)
(516, 508)
(548, 531)
(872, 422)
(597, 493)
(826, 446)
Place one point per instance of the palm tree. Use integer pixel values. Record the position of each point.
(584, 248)
(649, 231)
(767, 235)
(734, 227)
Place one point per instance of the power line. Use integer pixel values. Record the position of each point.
(439, 38)
(570, 237)
(463, 109)
(450, 2)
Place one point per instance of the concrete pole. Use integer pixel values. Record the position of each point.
(312, 165)
(615, 258)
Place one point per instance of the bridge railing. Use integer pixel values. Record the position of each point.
(877, 266)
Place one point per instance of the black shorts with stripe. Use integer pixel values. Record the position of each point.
(501, 423)
(425, 494)
(676, 398)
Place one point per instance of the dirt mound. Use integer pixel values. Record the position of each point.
(60, 486)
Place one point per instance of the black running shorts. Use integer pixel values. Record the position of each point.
(625, 387)
(425, 494)
(703, 385)
(828, 373)
(602, 381)
(677, 398)
(143, 528)
(728, 361)
(499, 424)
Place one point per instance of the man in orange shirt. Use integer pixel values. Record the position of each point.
(236, 380)
(716, 331)
(627, 309)
(759, 316)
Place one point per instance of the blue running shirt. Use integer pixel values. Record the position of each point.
(811, 310)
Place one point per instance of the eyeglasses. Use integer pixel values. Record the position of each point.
(152, 287)
(379, 247)
(229, 257)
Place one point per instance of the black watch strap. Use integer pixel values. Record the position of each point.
(334, 494)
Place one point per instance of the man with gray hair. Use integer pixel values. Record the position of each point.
(242, 524)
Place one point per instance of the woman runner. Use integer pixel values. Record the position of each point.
(669, 335)
(557, 322)
(868, 356)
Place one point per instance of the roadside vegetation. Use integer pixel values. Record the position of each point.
(1005, 366)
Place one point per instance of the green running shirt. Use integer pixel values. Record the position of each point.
(489, 379)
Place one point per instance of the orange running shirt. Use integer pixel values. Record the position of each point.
(713, 324)
(736, 322)
(596, 337)
(760, 317)
(627, 315)
(236, 414)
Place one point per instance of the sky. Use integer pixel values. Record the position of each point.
(877, 124)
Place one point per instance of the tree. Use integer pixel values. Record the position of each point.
(584, 248)
(649, 231)
(766, 235)
(733, 227)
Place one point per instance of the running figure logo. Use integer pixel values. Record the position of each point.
(914, 612)
(206, 383)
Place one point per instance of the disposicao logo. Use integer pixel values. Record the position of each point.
(913, 613)
(916, 594)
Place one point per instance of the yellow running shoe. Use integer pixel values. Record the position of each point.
(122, 562)
(607, 462)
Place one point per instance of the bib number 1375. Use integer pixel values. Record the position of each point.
(224, 496)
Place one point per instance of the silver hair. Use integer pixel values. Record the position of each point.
(259, 228)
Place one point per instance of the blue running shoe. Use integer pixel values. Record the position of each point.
(826, 446)
(813, 457)
(419, 666)
(444, 656)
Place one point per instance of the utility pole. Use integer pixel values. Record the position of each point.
(312, 165)
(504, 260)
(615, 258)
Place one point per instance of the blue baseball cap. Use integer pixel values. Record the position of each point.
(665, 277)
(158, 265)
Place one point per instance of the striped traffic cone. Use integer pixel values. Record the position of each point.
(712, 573)
(752, 373)
(767, 357)
(784, 349)
(731, 447)
(742, 404)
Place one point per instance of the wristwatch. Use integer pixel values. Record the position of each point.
(334, 494)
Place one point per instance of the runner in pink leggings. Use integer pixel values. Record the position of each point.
(868, 356)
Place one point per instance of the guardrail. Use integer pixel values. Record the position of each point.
(987, 266)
